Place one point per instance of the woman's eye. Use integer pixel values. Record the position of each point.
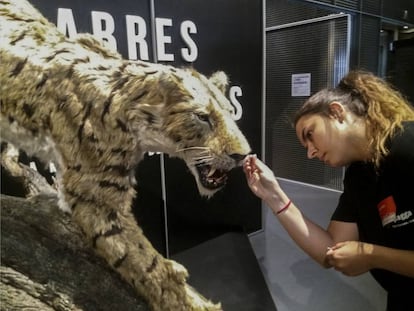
(309, 135)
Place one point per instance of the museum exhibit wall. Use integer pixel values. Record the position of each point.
(208, 36)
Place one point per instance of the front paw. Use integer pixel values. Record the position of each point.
(177, 271)
(198, 302)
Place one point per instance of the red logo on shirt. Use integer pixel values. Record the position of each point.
(387, 210)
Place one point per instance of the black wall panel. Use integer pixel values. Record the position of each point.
(400, 10)
(232, 43)
(400, 69)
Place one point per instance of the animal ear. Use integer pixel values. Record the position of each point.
(220, 79)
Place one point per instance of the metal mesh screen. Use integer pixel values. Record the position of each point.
(279, 12)
(318, 48)
(371, 6)
(369, 42)
(348, 4)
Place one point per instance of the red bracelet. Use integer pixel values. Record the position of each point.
(284, 208)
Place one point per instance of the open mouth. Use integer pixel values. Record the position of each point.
(211, 178)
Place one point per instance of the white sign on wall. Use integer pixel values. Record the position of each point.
(301, 83)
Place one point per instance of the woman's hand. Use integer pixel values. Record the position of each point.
(354, 258)
(260, 178)
(350, 257)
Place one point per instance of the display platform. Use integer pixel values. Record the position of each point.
(226, 270)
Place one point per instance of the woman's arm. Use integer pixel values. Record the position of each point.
(312, 238)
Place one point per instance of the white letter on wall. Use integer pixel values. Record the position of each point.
(234, 92)
(189, 54)
(162, 39)
(103, 26)
(136, 33)
(66, 22)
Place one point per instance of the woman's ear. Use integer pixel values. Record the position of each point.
(337, 111)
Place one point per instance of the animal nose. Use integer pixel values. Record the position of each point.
(237, 157)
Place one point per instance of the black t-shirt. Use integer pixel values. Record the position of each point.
(364, 189)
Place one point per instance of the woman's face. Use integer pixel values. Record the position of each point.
(336, 139)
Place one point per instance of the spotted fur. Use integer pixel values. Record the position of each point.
(94, 114)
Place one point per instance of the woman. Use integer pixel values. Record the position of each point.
(368, 126)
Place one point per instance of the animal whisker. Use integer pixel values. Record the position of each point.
(202, 155)
(193, 149)
(203, 159)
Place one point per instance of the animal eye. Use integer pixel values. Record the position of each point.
(204, 118)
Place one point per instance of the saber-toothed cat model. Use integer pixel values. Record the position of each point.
(94, 115)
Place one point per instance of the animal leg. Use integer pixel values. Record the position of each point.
(114, 234)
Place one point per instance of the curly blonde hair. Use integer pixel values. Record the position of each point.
(383, 107)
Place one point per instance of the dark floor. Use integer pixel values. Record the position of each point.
(295, 281)
(225, 270)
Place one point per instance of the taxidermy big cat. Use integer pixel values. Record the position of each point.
(94, 114)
